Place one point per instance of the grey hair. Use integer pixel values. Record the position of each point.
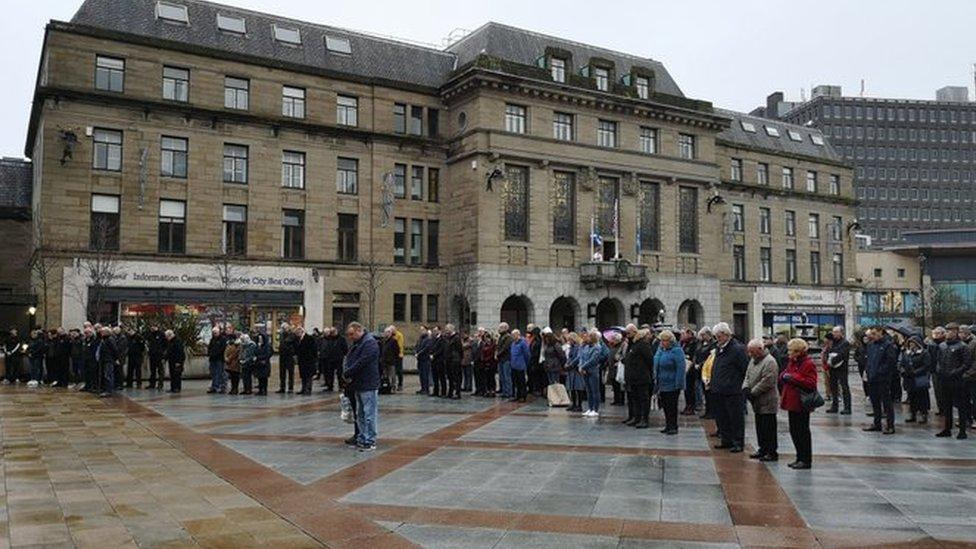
(757, 343)
(502, 326)
(169, 333)
(722, 328)
(704, 331)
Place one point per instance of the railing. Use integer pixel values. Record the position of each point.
(613, 273)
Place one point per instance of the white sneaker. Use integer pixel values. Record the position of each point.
(54, 384)
(5, 382)
(589, 413)
(32, 383)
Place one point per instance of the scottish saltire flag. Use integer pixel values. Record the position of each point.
(596, 238)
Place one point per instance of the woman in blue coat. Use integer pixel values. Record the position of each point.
(591, 358)
(575, 384)
(669, 374)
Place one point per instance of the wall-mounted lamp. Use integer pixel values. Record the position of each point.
(715, 200)
(32, 310)
(494, 174)
(853, 226)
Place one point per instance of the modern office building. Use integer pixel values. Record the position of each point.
(915, 160)
(189, 156)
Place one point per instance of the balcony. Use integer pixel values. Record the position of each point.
(603, 274)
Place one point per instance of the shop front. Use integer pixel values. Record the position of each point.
(808, 314)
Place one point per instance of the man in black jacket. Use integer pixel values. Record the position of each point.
(437, 363)
(215, 353)
(107, 358)
(156, 342)
(137, 349)
(728, 372)
(453, 353)
(839, 361)
(306, 350)
(881, 364)
(176, 357)
(954, 363)
(331, 352)
(286, 360)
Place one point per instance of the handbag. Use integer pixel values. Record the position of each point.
(811, 400)
(922, 381)
(345, 410)
(619, 378)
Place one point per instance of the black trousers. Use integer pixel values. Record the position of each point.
(327, 371)
(766, 434)
(919, 400)
(175, 377)
(262, 385)
(156, 371)
(518, 381)
(351, 395)
(882, 403)
(235, 381)
(119, 373)
(955, 394)
(639, 401)
(729, 411)
(800, 433)
(399, 373)
(59, 371)
(692, 379)
(669, 403)
(439, 375)
(454, 381)
(618, 392)
(134, 371)
(840, 386)
(307, 373)
(247, 378)
(286, 373)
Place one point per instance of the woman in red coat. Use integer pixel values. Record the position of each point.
(799, 376)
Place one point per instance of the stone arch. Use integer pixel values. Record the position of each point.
(564, 313)
(651, 311)
(516, 311)
(691, 313)
(609, 312)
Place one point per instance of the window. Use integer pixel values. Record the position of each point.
(736, 169)
(292, 102)
(838, 268)
(563, 207)
(235, 163)
(515, 198)
(686, 146)
(417, 183)
(399, 241)
(416, 120)
(433, 184)
(794, 135)
(235, 230)
(433, 242)
(176, 84)
(562, 126)
(817, 138)
(236, 92)
(288, 35)
(416, 241)
(762, 174)
(765, 221)
(557, 68)
(172, 12)
(607, 205)
(787, 178)
(172, 227)
(738, 218)
(347, 175)
(643, 86)
(688, 220)
(399, 118)
(811, 181)
(433, 122)
(293, 234)
(107, 153)
(338, 44)
(606, 133)
(348, 237)
(748, 126)
(104, 222)
(766, 264)
(416, 307)
(815, 267)
(837, 228)
(347, 111)
(791, 266)
(432, 307)
(173, 154)
(649, 220)
(399, 307)
(515, 118)
(900, 272)
(602, 77)
(813, 226)
(790, 222)
(400, 180)
(109, 74)
(739, 262)
(772, 131)
(231, 23)
(648, 140)
(834, 184)
(293, 169)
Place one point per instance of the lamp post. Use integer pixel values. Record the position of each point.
(31, 312)
(922, 259)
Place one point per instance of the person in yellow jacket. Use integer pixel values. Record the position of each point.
(398, 335)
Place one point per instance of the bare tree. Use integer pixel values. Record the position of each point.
(44, 269)
(462, 284)
(371, 279)
(101, 266)
(230, 277)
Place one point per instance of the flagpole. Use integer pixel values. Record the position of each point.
(616, 227)
(637, 239)
(592, 244)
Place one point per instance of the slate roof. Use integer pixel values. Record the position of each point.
(16, 181)
(372, 57)
(782, 144)
(523, 46)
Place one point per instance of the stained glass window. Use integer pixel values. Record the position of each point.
(688, 220)
(563, 208)
(609, 190)
(650, 234)
(516, 200)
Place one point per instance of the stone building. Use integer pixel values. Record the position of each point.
(191, 155)
(16, 299)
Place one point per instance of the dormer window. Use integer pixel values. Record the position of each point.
(338, 44)
(643, 85)
(231, 23)
(817, 139)
(772, 131)
(748, 127)
(288, 35)
(795, 136)
(172, 12)
(557, 68)
(602, 78)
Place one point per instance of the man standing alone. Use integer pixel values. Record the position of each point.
(362, 372)
(838, 360)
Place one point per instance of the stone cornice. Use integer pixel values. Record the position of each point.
(782, 154)
(767, 191)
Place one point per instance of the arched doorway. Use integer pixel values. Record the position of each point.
(651, 312)
(609, 312)
(691, 313)
(563, 314)
(515, 311)
(461, 313)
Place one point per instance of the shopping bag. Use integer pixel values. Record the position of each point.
(345, 409)
(557, 395)
(620, 373)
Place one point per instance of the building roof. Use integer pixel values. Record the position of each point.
(525, 47)
(371, 57)
(760, 138)
(16, 182)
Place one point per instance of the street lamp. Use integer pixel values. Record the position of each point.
(31, 311)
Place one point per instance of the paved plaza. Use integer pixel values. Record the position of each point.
(150, 469)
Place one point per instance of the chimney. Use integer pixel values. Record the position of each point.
(773, 101)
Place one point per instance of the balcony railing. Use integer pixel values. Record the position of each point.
(621, 272)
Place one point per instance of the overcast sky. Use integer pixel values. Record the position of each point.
(732, 53)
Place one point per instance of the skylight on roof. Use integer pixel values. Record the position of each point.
(748, 126)
(288, 35)
(816, 138)
(231, 23)
(172, 12)
(772, 131)
(338, 44)
(794, 135)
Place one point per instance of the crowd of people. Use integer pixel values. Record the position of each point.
(641, 366)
